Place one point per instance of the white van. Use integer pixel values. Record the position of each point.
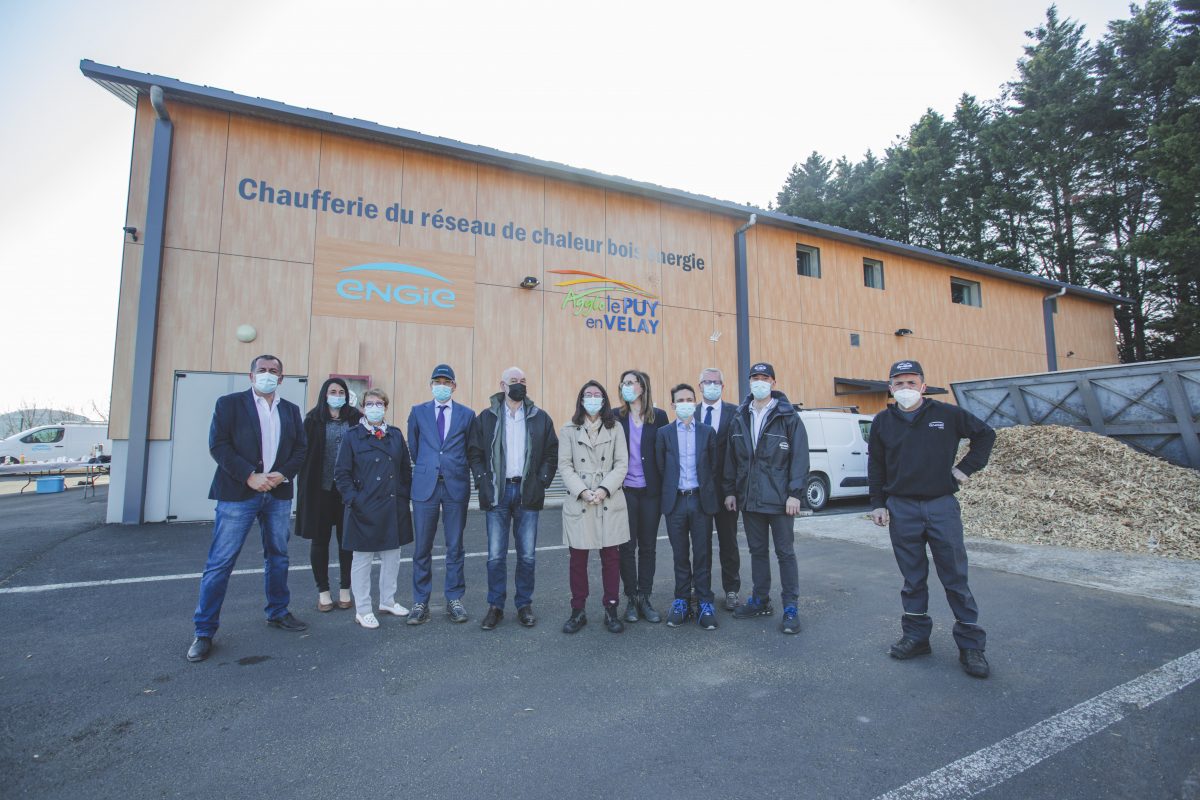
(72, 441)
(837, 452)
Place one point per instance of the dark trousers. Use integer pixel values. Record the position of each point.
(938, 522)
(425, 523)
(610, 571)
(760, 529)
(731, 559)
(329, 520)
(637, 555)
(690, 532)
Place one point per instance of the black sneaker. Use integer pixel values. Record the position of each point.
(974, 663)
(576, 621)
(456, 611)
(612, 620)
(731, 601)
(288, 623)
(791, 620)
(419, 614)
(631, 610)
(677, 614)
(753, 607)
(908, 647)
(708, 617)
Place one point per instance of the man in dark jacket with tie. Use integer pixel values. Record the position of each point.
(718, 415)
(257, 440)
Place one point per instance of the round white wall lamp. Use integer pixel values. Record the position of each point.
(246, 333)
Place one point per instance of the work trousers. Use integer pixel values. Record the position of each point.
(760, 530)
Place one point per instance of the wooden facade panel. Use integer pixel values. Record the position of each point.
(576, 213)
(720, 267)
(571, 354)
(361, 347)
(186, 299)
(783, 293)
(420, 348)
(510, 200)
(266, 160)
(633, 241)
(501, 341)
(273, 296)
(435, 185)
(687, 349)
(197, 178)
(369, 173)
(635, 351)
(1090, 336)
(139, 165)
(122, 390)
(687, 233)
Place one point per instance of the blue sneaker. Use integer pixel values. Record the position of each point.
(678, 613)
(753, 607)
(708, 617)
(791, 620)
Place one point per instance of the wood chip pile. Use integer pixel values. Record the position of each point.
(1051, 484)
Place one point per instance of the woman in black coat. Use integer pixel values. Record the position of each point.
(374, 474)
(319, 506)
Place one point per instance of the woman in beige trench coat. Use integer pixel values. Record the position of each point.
(593, 459)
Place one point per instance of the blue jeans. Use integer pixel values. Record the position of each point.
(233, 522)
(509, 514)
(425, 523)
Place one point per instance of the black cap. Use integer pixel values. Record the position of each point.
(904, 368)
(442, 371)
(762, 368)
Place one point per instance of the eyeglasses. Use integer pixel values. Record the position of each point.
(712, 383)
(374, 405)
(596, 395)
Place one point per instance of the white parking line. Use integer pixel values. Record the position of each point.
(985, 768)
(52, 587)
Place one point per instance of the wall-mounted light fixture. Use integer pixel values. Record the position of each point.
(529, 282)
(246, 333)
(1070, 353)
(903, 332)
(132, 231)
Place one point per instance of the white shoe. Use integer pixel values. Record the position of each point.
(395, 609)
(369, 622)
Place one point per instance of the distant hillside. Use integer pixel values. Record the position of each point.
(17, 421)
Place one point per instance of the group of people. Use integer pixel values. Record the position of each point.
(625, 465)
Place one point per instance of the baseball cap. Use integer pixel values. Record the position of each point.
(906, 367)
(763, 368)
(442, 371)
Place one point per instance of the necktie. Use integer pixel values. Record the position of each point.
(442, 423)
(708, 415)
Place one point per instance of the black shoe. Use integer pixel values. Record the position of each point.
(908, 647)
(419, 614)
(791, 620)
(646, 610)
(288, 623)
(631, 610)
(708, 617)
(456, 611)
(525, 616)
(974, 663)
(201, 647)
(731, 601)
(576, 621)
(491, 619)
(612, 620)
(677, 614)
(753, 607)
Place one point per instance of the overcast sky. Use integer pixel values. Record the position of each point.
(715, 98)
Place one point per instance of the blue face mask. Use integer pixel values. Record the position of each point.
(592, 405)
(760, 389)
(374, 414)
(265, 382)
(712, 392)
(441, 392)
(628, 394)
(685, 410)
(335, 400)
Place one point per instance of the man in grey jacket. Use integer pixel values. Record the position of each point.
(513, 454)
(766, 464)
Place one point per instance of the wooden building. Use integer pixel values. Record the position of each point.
(359, 250)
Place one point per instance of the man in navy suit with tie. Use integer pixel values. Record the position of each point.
(257, 440)
(718, 414)
(686, 457)
(438, 432)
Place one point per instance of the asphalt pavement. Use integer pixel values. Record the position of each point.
(1093, 692)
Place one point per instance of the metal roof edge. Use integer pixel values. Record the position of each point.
(114, 78)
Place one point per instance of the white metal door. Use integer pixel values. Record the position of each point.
(192, 467)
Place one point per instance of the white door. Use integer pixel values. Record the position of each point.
(192, 467)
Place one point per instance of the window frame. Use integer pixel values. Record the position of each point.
(973, 290)
(873, 265)
(814, 260)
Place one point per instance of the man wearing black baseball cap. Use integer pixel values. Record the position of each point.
(766, 464)
(913, 478)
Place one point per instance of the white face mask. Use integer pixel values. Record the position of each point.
(374, 414)
(907, 398)
(265, 382)
(592, 405)
(685, 410)
(760, 389)
(335, 400)
(712, 392)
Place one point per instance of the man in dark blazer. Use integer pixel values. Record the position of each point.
(438, 434)
(685, 454)
(717, 414)
(257, 440)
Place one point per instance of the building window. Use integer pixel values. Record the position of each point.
(965, 292)
(872, 273)
(808, 261)
(854, 340)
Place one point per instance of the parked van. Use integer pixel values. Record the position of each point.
(72, 441)
(837, 452)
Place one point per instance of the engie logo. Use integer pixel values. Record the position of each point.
(393, 289)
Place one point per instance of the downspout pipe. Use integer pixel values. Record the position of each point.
(133, 507)
(1048, 321)
(742, 291)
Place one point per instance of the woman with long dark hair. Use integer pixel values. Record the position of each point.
(592, 461)
(640, 420)
(319, 507)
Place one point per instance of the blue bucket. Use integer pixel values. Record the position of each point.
(50, 485)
